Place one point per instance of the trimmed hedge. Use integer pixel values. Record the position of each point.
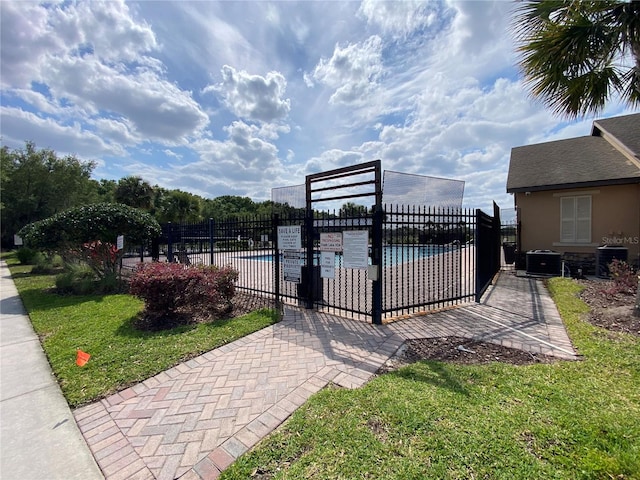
(169, 288)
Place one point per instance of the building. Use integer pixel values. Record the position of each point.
(577, 195)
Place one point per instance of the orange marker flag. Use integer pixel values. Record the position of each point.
(82, 358)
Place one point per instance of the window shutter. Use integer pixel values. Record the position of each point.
(567, 219)
(583, 219)
(575, 219)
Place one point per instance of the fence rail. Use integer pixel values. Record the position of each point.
(430, 257)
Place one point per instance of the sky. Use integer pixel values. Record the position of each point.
(239, 97)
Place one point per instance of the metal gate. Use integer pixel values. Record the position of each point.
(354, 290)
(417, 258)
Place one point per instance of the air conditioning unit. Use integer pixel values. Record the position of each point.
(607, 254)
(544, 262)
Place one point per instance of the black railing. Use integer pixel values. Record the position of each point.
(429, 257)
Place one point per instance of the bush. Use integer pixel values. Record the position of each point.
(47, 264)
(625, 280)
(170, 288)
(78, 279)
(26, 255)
(88, 234)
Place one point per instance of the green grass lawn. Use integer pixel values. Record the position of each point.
(569, 420)
(102, 325)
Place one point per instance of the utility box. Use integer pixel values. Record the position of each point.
(544, 262)
(316, 288)
(607, 254)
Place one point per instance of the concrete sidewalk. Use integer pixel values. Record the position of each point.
(39, 438)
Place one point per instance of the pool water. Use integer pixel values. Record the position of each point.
(391, 254)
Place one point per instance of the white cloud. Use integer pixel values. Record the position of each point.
(33, 33)
(253, 97)
(399, 18)
(19, 126)
(243, 156)
(352, 72)
(118, 131)
(90, 59)
(158, 109)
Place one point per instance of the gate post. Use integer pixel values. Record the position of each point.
(479, 247)
(211, 241)
(308, 277)
(376, 260)
(275, 221)
(170, 242)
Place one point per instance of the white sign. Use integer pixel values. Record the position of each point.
(290, 237)
(331, 242)
(327, 265)
(355, 249)
(292, 266)
(17, 240)
(120, 242)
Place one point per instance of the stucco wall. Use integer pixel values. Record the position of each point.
(615, 219)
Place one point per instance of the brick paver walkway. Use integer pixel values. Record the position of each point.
(194, 420)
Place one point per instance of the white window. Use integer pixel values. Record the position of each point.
(575, 219)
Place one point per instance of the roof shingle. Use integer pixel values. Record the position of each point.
(582, 161)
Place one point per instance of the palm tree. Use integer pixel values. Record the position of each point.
(576, 55)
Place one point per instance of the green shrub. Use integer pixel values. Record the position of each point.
(26, 255)
(78, 278)
(88, 234)
(47, 264)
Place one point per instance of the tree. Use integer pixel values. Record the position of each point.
(176, 206)
(105, 190)
(351, 209)
(37, 183)
(89, 233)
(135, 192)
(228, 206)
(576, 55)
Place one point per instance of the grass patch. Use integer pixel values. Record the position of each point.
(102, 325)
(575, 420)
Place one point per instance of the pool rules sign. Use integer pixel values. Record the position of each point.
(290, 242)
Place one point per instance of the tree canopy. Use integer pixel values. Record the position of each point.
(577, 55)
(90, 232)
(38, 183)
(89, 223)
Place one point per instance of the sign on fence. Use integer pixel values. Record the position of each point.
(290, 237)
(355, 248)
(292, 266)
(331, 242)
(327, 265)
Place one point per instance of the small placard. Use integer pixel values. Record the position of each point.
(290, 237)
(292, 266)
(17, 240)
(356, 249)
(120, 242)
(331, 242)
(327, 264)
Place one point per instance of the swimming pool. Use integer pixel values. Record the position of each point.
(391, 254)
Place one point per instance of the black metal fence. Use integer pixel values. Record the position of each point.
(430, 257)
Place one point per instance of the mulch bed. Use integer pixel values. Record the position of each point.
(613, 312)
